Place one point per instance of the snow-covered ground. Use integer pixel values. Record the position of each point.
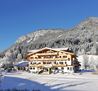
(54, 82)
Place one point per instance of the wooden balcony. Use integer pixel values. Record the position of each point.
(46, 54)
(49, 59)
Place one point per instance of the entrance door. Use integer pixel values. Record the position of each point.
(46, 70)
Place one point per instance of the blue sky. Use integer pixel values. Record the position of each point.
(19, 17)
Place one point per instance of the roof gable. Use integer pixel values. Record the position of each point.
(47, 49)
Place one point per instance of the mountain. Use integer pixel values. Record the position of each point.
(83, 38)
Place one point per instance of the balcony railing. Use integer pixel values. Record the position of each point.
(50, 59)
(46, 54)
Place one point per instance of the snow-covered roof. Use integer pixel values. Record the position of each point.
(56, 49)
(60, 49)
(22, 63)
(32, 51)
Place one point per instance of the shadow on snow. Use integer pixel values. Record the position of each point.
(21, 84)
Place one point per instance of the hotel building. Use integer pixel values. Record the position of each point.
(52, 60)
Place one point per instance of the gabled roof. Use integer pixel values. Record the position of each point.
(37, 50)
(46, 48)
(55, 49)
(32, 51)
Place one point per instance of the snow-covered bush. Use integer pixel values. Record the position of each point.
(88, 61)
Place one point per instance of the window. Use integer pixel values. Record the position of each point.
(48, 62)
(34, 62)
(39, 56)
(67, 68)
(56, 68)
(30, 67)
(60, 57)
(68, 59)
(54, 62)
(44, 62)
(62, 68)
(33, 68)
(31, 57)
(64, 56)
(60, 62)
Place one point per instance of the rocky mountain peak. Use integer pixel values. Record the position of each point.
(90, 22)
(94, 19)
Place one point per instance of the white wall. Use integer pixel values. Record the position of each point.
(68, 62)
(65, 69)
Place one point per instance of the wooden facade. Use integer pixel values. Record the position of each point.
(52, 60)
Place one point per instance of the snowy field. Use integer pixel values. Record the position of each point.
(53, 82)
